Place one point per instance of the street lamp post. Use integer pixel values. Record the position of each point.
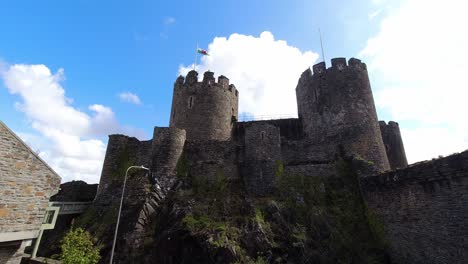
(120, 208)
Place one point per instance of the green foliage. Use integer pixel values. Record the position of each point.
(377, 228)
(210, 188)
(329, 213)
(279, 169)
(319, 217)
(107, 220)
(300, 233)
(77, 248)
(124, 161)
(182, 167)
(259, 260)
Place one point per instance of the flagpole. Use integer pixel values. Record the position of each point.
(196, 58)
(321, 45)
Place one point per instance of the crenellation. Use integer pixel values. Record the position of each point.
(205, 110)
(337, 108)
(355, 63)
(224, 82)
(179, 82)
(208, 78)
(191, 78)
(319, 68)
(339, 63)
(337, 121)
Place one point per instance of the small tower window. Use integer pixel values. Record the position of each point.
(262, 135)
(190, 102)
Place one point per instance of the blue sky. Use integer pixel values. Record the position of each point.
(96, 50)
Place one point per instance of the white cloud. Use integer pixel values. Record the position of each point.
(130, 98)
(264, 70)
(169, 20)
(420, 58)
(69, 139)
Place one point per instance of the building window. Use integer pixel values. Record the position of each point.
(190, 102)
(49, 217)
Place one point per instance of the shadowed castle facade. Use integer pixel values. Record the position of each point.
(422, 206)
(336, 114)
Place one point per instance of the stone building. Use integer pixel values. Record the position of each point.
(26, 184)
(336, 115)
(423, 206)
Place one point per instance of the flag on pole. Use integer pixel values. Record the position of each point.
(202, 51)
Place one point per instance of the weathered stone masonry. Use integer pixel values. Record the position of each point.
(336, 113)
(424, 209)
(26, 184)
(393, 144)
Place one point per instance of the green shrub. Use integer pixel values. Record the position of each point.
(77, 248)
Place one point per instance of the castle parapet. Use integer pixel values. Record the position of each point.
(336, 107)
(339, 64)
(393, 142)
(204, 109)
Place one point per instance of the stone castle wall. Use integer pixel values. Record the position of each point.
(424, 209)
(207, 110)
(167, 147)
(160, 155)
(393, 144)
(336, 107)
(122, 152)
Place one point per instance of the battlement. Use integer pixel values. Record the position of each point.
(191, 80)
(391, 124)
(339, 64)
(205, 109)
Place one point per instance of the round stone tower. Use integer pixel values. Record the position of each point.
(393, 143)
(337, 109)
(206, 110)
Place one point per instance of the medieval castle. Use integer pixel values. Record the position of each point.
(423, 206)
(336, 113)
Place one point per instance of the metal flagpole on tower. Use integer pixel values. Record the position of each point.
(321, 45)
(196, 58)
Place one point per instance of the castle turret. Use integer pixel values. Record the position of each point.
(336, 107)
(207, 109)
(122, 152)
(168, 144)
(393, 144)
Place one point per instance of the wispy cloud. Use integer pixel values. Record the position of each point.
(169, 20)
(374, 14)
(130, 98)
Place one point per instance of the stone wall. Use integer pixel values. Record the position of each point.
(424, 209)
(336, 107)
(207, 110)
(167, 147)
(26, 184)
(122, 152)
(393, 144)
(262, 154)
(210, 159)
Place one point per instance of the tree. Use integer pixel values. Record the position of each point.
(77, 248)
